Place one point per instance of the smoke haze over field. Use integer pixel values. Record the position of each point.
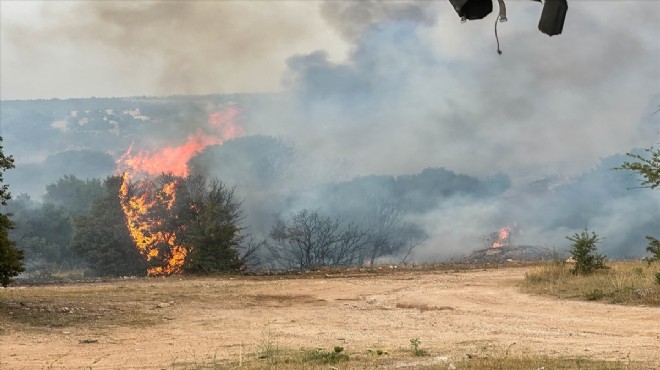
(375, 88)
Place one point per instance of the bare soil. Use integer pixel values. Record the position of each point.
(164, 322)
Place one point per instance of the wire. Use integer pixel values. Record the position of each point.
(497, 38)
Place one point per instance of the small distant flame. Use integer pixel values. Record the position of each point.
(142, 225)
(502, 237)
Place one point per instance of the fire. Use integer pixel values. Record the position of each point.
(151, 239)
(174, 159)
(144, 227)
(502, 237)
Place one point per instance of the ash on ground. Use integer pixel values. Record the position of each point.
(512, 253)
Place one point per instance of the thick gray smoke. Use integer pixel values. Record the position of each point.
(126, 48)
(421, 90)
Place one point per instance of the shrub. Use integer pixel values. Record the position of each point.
(584, 251)
(325, 357)
(653, 248)
(415, 342)
(595, 295)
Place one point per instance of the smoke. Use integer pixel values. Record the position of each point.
(119, 48)
(421, 90)
(406, 99)
(353, 18)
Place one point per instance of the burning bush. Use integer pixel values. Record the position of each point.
(186, 224)
(161, 226)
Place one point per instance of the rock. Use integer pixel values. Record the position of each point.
(163, 305)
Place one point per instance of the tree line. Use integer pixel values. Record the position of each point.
(82, 224)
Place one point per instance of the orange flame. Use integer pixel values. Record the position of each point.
(503, 237)
(173, 160)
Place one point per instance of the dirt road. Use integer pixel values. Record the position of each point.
(452, 313)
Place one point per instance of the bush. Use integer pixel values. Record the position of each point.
(325, 357)
(415, 343)
(654, 249)
(583, 250)
(10, 257)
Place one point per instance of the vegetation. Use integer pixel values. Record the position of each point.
(415, 343)
(10, 257)
(214, 235)
(649, 168)
(584, 252)
(628, 283)
(309, 240)
(290, 359)
(44, 229)
(102, 238)
(654, 249)
(201, 217)
(74, 195)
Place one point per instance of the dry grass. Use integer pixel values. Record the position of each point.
(422, 307)
(624, 282)
(321, 358)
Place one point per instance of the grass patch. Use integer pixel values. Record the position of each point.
(624, 282)
(321, 356)
(305, 358)
(422, 307)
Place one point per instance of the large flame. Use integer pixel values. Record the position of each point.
(174, 159)
(142, 224)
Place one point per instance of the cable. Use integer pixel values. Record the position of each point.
(497, 38)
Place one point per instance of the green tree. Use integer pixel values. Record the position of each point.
(11, 259)
(102, 238)
(649, 168)
(74, 195)
(214, 235)
(584, 251)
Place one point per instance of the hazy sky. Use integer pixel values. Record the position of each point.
(63, 49)
(124, 48)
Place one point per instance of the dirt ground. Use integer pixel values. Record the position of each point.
(160, 322)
